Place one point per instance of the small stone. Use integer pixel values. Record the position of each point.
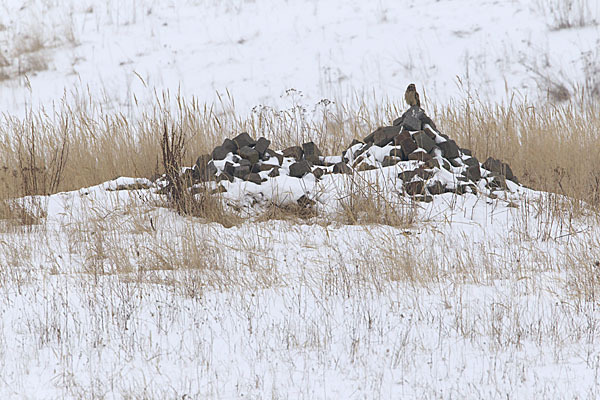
(369, 138)
(388, 161)
(384, 135)
(219, 153)
(341, 168)
(228, 168)
(311, 149)
(425, 198)
(255, 168)
(254, 178)
(225, 176)
(408, 146)
(245, 163)
(299, 169)
(202, 167)
(294, 151)
(243, 140)
(267, 167)
(365, 167)
(318, 172)
(466, 151)
(424, 141)
(419, 156)
(412, 123)
(261, 146)
(449, 149)
(355, 142)
(414, 188)
(241, 171)
(273, 153)
(430, 132)
(304, 201)
(433, 163)
(499, 167)
(230, 145)
(398, 153)
(497, 182)
(436, 187)
(274, 172)
(249, 154)
(456, 162)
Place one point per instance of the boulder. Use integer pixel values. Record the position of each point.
(408, 146)
(412, 123)
(230, 145)
(228, 168)
(249, 154)
(300, 168)
(261, 146)
(245, 163)
(398, 153)
(311, 149)
(365, 167)
(388, 161)
(318, 172)
(274, 172)
(414, 188)
(241, 171)
(254, 178)
(499, 167)
(384, 135)
(472, 171)
(273, 153)
(424, 141)
(294, 151)
(449, 149)
(341, 168)
(219, 153)
(419, 156)
(201, 167)
(436, 187)
(243, 140)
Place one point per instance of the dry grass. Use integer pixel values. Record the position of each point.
(549, 147)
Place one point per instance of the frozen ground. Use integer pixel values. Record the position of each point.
(112, 297)
(119, 53)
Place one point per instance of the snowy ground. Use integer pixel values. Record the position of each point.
(121, 52)
(112, 297)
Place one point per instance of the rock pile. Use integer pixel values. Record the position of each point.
(430, 163)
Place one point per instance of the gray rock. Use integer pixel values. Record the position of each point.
(249, 154)
(230, 145)
(311, 149)
(294, 151)
(472, 172)
(229, 168)
(466, 152)
(449, 149)
(412, 123)
(202, 173)
(267, 167)
(436, 187)
(243, 140)
(456, 162)
(219, 153)
(254, 178)
(384, 135)
(365, 167)
(225, 176)
(241, 171)
(300, 168)
(341, 168)
(261, 146)
(408, 146)
(497, 182)
(398, 153)
(419, 156)
(274, 172)
(318, 172)
(388, 161)
(414, 188)
(245, 163)
(255, 168)
(499, 167)
(304, 201)
(273, 153)
(424, 141)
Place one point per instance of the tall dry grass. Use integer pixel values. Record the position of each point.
(549, 147)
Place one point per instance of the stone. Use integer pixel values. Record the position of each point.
(369, 138)
(420, 172)
(273, 153)
(388, 161)
(245, 163)
(228, 168)
(430, 132)
(408, 146)
(499, 167)
(341, 168)
(365, 167)
(466, 152)
(274, 172)
(419, 156)
(497, 182)
(472, 171)
(261, 146)
(219, 153)
(243, 140)
(249, 154)
(267, 167)
(424, 141)
(384, 135)
(230, 145)
(412, 123)
(449, 149)
(202, 172)
(294, 151)
(311, 149)
(225, 176)
(354, 143)
(255, 168)
(300, 168)
(398, 153)
(425, 198)
(414, 188)
(436, 187)
(433, 163)
(456, 162)
(254, 178)
(241, 171)
(318, 172)
(211, 170)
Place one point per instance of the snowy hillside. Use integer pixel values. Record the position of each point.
(120, 52)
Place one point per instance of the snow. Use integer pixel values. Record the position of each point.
(122, 54)
(113, 295)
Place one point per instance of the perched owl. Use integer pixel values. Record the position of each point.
(411, 96)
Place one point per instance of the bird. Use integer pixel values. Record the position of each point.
(411, 96)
